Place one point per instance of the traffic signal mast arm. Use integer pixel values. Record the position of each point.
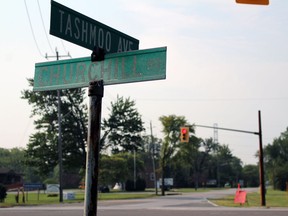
(228, 129)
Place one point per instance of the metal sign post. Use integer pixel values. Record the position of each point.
(95, 93)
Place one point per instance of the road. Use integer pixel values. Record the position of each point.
(180, 205)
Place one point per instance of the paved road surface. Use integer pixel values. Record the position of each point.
(174, 205)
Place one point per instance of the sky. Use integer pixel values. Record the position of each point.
(225, 62)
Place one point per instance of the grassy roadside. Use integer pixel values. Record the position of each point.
(33, 198)
(273, 199)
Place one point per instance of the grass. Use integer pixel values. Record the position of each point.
(274, 198)
(192, 190)
(34, 198)
(117, 196)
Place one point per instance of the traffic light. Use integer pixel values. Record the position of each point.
(259, 2)
(184, 134)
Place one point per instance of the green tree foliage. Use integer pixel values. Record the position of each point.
(12, 159)
(123, 127)
(223, 166)
(206, 147)
(118, 168)
(196, 154)
(42, 147)
(276, 161)
(171, 129)
(200, 160)
(251, 175)
(113, 169)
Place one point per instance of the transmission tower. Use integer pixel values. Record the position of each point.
(215, 133)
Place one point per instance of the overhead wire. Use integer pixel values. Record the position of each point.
(31, 27)
(44, 26)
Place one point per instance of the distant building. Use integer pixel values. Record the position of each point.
(10, 179)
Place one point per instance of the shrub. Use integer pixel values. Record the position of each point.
(3, 193)
(140, 185)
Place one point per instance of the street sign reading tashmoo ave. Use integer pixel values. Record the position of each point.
(117, 68)
(79, 29)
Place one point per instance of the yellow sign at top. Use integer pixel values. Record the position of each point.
(258, 2)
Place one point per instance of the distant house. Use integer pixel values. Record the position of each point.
(10, 179)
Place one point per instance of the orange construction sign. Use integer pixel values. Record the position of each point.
(240, 196)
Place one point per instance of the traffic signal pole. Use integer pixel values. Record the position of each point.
(261, 164)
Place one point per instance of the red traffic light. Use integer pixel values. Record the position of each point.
(184, 136)
(183, 130)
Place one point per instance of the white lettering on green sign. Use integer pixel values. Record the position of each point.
(84, 73)
(88, 33)
(133, 66)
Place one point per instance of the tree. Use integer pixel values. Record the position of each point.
(251, 175)
(12, 159)
(113, 169)
(42, 147)
(223, 160)
(202, 156)
(227, 168)
(276, 160)
(118, 168)
(171, 129)
(196, 153)
(123, 127)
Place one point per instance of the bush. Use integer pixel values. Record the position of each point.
(140, 185)
(3, 193)
(104, 189)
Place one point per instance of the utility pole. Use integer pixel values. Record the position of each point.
(153, 159)
(135, 174)
(59, 131)
(215, 140)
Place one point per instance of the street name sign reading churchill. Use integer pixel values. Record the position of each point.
(117, 68)
(79, 29)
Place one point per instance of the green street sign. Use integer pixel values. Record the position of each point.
(79, 29)
(117, 68)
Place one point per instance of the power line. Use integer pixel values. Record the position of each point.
(32, 29)
(44, 25)
(214, 99)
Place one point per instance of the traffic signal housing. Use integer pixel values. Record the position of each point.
(184, 134)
